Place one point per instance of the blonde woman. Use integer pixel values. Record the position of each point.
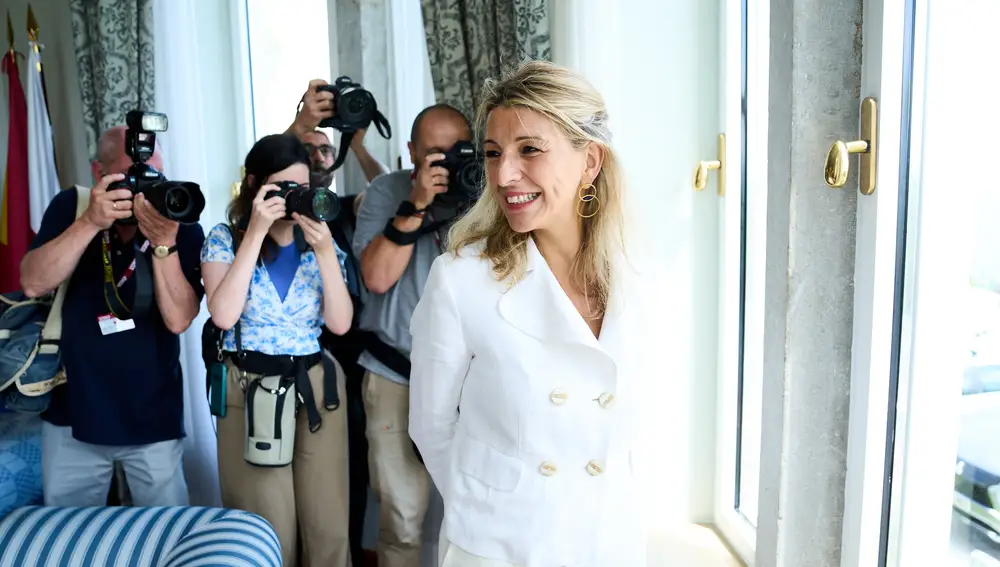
(525, 379)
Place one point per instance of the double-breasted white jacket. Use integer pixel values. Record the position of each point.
(530, 427)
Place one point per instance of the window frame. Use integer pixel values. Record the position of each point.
(743, 261)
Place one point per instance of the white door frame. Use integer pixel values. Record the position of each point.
(874, 294)
(911, 274)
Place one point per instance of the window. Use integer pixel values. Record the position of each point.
(742, 298)
(288, 46)
(411, 74)
(924, 485)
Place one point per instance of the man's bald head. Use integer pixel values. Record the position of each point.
(111, 156)
(435, 130)
(435, 113)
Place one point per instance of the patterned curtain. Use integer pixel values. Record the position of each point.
(469, 41)
(114, 56)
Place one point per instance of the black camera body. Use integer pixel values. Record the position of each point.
(465, 175)
(354, 107)
(180, 201)
(318, 203)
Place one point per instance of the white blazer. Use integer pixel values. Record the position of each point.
(530, 426)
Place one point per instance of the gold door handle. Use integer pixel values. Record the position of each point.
(838, 161)
(701, 172)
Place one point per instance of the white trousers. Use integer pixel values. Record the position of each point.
(75, 473)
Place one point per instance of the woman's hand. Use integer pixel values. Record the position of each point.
(265, 211)
(316, 233)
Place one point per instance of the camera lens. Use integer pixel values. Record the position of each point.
(354, 107)
(178, 202)
(325, 205)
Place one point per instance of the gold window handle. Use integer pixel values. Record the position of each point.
(838, 160)
(704, 167)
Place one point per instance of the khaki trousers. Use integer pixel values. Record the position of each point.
(307, 499)
(397, 477)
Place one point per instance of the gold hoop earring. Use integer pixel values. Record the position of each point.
(586, 196)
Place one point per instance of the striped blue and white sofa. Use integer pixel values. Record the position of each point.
(39, 536)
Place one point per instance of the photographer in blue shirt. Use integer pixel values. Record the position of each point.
(124, 396)
(273, 280)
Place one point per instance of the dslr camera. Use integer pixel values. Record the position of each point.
(465, 175)
(354, 108)
(319, 204)
(180, 201)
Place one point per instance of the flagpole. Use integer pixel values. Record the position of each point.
(10, 34)
(33, 30)
(43, 176)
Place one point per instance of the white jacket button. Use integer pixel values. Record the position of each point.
(595, 468)
(606, 400)
(558, 397)
(548, 468)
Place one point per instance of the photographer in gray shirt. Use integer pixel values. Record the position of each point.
(400, 231)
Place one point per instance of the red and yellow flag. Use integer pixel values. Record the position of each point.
(15, 214)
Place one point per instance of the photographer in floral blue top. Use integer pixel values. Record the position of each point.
(272, 282)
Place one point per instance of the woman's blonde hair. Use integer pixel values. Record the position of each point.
(578, 110)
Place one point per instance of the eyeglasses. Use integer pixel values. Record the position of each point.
(325, 150)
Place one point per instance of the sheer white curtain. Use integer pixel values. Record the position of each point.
(178, 94)
(411, 72)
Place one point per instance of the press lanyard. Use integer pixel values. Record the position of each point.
(111, 297)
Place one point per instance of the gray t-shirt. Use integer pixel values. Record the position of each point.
(388, 314)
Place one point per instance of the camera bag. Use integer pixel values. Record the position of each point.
(270, 421)
(30, 333)
(271, 400)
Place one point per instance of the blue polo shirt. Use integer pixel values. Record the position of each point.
(125, 388)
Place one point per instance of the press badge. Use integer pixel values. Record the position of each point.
(111, 324)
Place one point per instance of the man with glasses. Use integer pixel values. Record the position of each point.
(322, 155)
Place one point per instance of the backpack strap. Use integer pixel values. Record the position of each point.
(52, 332)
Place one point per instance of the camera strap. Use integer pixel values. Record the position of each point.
(294, 367)
(143, 284)
(381, 124)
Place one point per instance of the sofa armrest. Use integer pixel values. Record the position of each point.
(238, 538)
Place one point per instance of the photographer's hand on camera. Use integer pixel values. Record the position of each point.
(160, 230)
(107, 206)
(338, 311)
(316, 233)
(430, 182)
(265, 211)
(316, 106)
